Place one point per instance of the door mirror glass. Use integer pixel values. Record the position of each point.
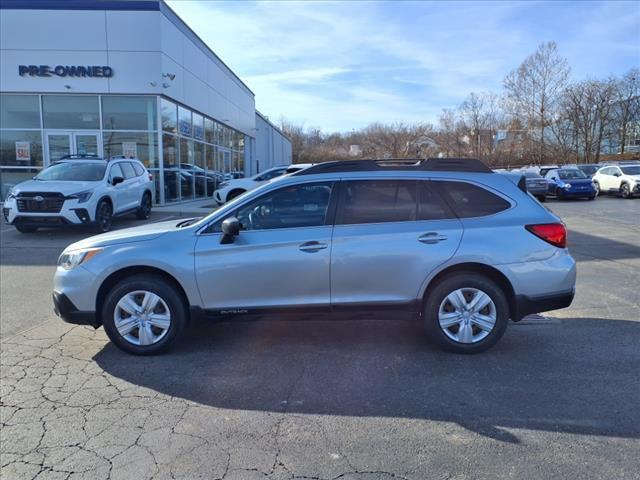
(116, 180)
(616, 174)
(230, 228)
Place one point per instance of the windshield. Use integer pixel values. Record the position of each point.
(74, 172)
(589, 169)
(530, 174)
(571, 174)
(632, 170)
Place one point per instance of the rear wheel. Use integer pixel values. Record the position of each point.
(466, 313)
(104, 214)
(144, 315)
(144, 210)
(26, 229)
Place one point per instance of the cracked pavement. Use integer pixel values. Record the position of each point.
(320, 399)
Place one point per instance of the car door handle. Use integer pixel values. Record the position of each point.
(312, 246)
(431, 237)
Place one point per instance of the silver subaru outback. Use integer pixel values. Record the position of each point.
(461, 247)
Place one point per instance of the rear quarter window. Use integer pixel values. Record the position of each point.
(468, 200)
(138, 168)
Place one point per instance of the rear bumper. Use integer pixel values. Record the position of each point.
(65, 309)
(525, 305)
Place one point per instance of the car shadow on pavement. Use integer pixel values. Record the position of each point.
(563, 376)
(600, 247)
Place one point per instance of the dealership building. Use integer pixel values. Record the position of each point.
(125, 77)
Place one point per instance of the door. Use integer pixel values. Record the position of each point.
(280, 258)
(389, 235)
(130, 189)
(60, 144)
(606, 179)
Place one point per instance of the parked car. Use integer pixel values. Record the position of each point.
(570, 183)
(81, 190)
(228, 190)
(622, 179)
(542, 171)
(589, 169)
(536, 185)
(462, 248)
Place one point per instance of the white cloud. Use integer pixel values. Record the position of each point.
(342, 65)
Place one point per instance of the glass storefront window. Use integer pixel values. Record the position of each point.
(170, 151)
(184, 122)
(128, 112)
(156, 180)
(19, 111)
(169, 114)
(218, 134)
(211, 158)
(209, 130)
(198, 127)
(143, 144)
(72, 112)
(199, 154)
(187, 154)
(171, 185)
(20, 148)
(10, 177)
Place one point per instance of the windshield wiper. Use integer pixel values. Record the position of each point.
(187, 222)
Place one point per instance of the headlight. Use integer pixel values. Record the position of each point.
(223, 184)
(567, 185)
(11, 195)
(82, 196)
(70, 260)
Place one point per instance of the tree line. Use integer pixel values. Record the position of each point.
(539, 117)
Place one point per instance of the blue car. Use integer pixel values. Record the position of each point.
(570, 183)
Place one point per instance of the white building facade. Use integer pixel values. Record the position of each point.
(125, 77)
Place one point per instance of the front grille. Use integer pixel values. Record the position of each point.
(41, 202)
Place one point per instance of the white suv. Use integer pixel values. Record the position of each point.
(80, 190)
(230, 189)
(623, 179)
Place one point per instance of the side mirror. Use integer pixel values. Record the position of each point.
(116, 180)
(617, 174)
(230, 229)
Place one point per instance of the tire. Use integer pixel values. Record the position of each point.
(625, 191)
(156, 339)
(542, 198)
(144, 210)
(596, 185)
(560, 195)
(26, 229)
(104, 216)
(468, 284)
(593, 197)
(234, 193)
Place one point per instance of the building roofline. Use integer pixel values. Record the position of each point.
(124, 5)
(274, 126)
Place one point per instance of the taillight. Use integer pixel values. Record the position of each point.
(553, 233)
(151, 177)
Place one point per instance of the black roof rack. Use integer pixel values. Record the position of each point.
(407, 164)
(81, 156)
(120, 157)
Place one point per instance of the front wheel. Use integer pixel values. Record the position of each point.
(625, 191)
(466, 313)
(144, 210)
(144, 315)
(26, 229)
(104, 214)
(596, 186)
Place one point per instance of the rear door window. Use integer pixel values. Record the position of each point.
(430, 203)
(378, 201)
(128, 170)
(468, 200)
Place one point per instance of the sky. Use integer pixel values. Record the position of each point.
(343, 65)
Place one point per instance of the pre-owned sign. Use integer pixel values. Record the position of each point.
(65, 71)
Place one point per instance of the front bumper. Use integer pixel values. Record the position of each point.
(526, 305)
(587, 192)
(71, 213)
(65, 309)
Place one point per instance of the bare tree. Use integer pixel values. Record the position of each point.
(449, 134)
(533, 90)
(589, 108)
(398, 140)
(627, 105)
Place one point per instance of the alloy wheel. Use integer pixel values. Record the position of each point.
(142, 317)
(104, 217)
(467, 315)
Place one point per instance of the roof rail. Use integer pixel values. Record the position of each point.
(81, 156)
(120, 157)
(407, 164)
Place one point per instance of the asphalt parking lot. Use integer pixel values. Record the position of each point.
(558, 397)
